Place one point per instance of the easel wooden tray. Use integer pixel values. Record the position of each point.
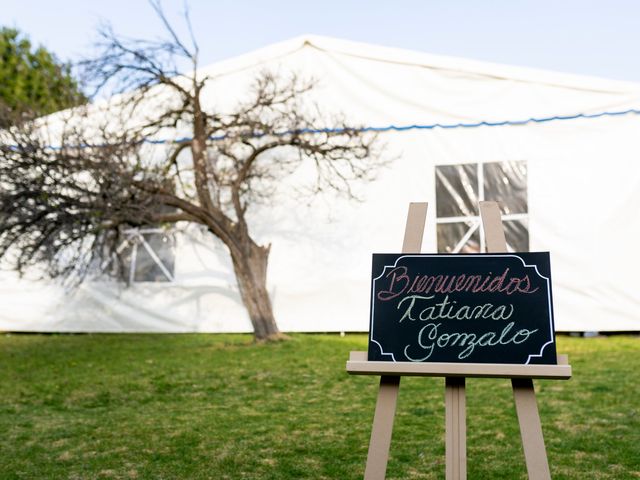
(359, 365)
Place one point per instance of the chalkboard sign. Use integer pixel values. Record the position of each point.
(473, 308)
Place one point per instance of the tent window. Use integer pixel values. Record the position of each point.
(459, 188)
(149, 255)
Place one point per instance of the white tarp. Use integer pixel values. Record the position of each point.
(582, 192)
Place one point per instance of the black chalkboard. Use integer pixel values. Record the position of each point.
(471, 308)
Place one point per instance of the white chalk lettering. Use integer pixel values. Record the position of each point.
(429, 339)
(449, 310)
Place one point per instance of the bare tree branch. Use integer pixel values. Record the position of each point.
(68, 207)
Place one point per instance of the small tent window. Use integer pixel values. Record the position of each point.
(149, 255)
(459, 188)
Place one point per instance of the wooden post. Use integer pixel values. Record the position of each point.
(414, 229)
(456, 428)
(382, 428)
(523, 392)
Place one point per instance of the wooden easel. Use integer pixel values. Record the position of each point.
(455, 404)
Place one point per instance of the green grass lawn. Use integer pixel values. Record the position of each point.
(221, 407)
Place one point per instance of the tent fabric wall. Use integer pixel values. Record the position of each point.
(583, 188)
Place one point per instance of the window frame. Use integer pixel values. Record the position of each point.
(134, 237)
(475, 220)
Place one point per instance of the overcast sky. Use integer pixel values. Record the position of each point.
(599, 38)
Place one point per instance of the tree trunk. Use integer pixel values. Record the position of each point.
(251, 272)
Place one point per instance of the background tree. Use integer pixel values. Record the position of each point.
(33, 80)
(67, 207)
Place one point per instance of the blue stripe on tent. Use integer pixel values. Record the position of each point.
(404, 128)
(433, 126)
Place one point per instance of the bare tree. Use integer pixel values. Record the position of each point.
(66, 207)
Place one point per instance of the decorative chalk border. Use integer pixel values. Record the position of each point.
(473, 255)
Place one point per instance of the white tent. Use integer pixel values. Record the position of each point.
(559, 151)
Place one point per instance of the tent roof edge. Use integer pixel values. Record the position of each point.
(418, 59)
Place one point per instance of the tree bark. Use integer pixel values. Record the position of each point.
(250, 266)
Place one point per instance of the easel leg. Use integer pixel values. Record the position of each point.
(530, 429)
(382, 428)
(456, 428)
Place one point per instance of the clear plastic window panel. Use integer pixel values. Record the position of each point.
(506, 183)
(458, 237)
(457, 190)
(147, 268)
(457, 195)
(516, 233)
